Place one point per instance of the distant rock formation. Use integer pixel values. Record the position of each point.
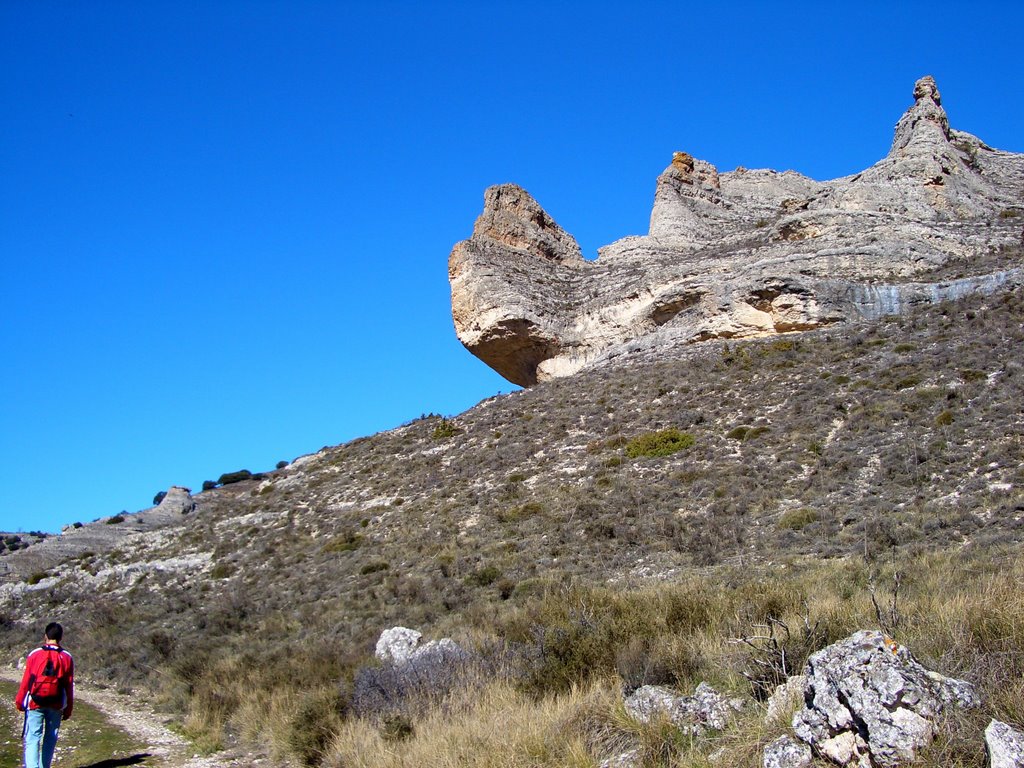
(741, 254)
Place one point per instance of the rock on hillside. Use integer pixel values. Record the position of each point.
(741, 254)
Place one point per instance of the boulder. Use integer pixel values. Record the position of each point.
(1005, 745)
(705, 709)
(869, 703)
(786, 752)
(786, 699)
(630, 759)
(400, 646)
(178, 500)
(396, 645)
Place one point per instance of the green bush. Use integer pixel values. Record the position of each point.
(222, 571)
(35, 578)
(662, 443)
(375, 567)
(737, 433)
(444, 430)
(798, 519)
(209, 485)
(346, 542)
(234, 477)
(115, 519)
(485, 576)
(944, 419)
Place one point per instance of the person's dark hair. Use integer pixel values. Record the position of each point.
(54, 631)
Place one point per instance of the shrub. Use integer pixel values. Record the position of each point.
(222, 571)
(313, 725)
(209, 485)
(798, 519)
(944, 419)
(485, 576)
(35, 578)
(662, 443)
(346, 542)
(444, 430)
(281, 465)
(115, 519)
(234, 477)
(522, 512)
(737, 433)
(375, 567)
(159, 497)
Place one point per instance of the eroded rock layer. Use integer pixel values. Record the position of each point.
(741, 254)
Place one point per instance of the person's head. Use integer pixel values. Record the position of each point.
(54, 632)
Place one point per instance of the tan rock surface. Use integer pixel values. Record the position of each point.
(740, 254)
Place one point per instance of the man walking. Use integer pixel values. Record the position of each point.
(46, 696)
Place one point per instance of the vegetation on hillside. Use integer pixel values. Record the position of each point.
(627, 525)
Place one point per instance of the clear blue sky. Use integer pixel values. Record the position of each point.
(224, 226)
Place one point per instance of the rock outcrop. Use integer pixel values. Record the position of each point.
(705, 709)
(1005, 745)
(870, 704)
(740, 254)
(786, 752)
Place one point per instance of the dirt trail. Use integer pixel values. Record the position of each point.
(141, 722)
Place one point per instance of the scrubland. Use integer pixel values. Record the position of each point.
(643, 522)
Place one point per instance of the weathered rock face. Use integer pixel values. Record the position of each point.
(739, 254)
(870, 704)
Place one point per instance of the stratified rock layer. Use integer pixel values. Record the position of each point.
(740, 254)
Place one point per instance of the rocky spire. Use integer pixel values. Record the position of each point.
(925, 123)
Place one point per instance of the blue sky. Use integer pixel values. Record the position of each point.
(225, 225)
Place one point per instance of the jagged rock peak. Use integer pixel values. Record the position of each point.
(926, 121)
(925, 88)
(740, 254)
(512, 217)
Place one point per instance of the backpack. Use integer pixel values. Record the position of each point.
(47, 690)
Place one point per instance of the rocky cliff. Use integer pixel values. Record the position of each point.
(743, 254)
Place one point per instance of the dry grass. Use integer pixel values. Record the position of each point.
(960, 613)
(503, 728)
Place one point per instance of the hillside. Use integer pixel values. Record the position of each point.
(872, 441)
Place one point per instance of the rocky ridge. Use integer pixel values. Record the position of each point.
(741, 254)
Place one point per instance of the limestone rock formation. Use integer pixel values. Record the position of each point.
(870, 704)
(400, 646)
(705, 709)
(1005, 745)
(786, 752)
(740, 254)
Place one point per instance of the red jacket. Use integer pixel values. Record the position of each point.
(34, 665)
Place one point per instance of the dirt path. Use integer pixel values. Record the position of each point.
(138, 719)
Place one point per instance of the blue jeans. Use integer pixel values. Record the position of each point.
(41, 731)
